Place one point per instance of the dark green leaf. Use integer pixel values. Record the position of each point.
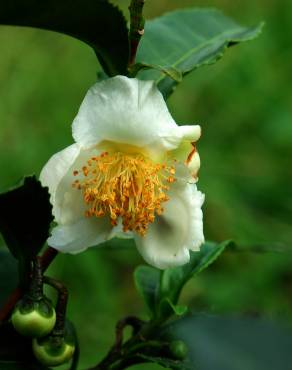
(171, 72)
(147, 282)
(18, 365)
(166, 362)
(187, 39)
(25, 217)
(167, 308)
(173, 279)
(225, 343)
(98, 23)
(8, 275)
(15, 351)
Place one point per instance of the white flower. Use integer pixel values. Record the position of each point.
(131, 173)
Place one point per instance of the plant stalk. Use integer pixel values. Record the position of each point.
(46, 259)
(61, 306)
(137, 23)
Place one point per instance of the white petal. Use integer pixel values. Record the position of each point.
(126, 110)
(188, 161)
(190, 133)
(194, 165)
(178, 229)
(196, 234)
(69, 206)
(57, 167)
(76, 237)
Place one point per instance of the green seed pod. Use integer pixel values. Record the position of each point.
(178, 349)
(52, 350)
(34, 318)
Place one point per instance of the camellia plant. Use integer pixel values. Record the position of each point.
(131, 172)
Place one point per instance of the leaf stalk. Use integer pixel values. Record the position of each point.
(137, 23)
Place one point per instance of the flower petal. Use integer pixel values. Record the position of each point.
(177, 230)
(130, 111)
(69, 206)
(57, 167)
(77, 237)
(190, 133)
(188, 161)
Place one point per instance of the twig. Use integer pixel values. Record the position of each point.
(115, 353)
(132, 321)
(136, 28)
(121, 356)
(61, 306)
(35, 290)
(46, 259)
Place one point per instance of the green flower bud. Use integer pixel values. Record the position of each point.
(34, 318)
(178, 349)
(52, 350)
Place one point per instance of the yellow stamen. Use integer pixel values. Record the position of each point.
(130, 186)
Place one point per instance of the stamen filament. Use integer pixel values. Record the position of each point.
(130, 186)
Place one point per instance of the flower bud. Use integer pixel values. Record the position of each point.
(52, 350)
(178, 349)
(34, 318)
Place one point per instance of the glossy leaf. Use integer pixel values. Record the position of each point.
(98, 23)
(15, 351)
(229, 343)
(171, 72)
(147, 282)
(161, 289)
(18, 365)
(173, 280)
(187, 39)
(167, 308)
(25, 217)
(8, 275)
(166, 362)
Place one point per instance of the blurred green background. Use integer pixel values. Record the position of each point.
(244, 106)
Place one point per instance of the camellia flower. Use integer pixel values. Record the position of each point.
(130, 173)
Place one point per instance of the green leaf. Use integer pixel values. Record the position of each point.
(167, 308)
(171, 72)
(187, 39)
(16, 351)
(98, 23)
(25, 217)
(161, 289)
(147, 282)
(18, 365)
(173, 279)
(165, 362)
(8, 275)
(229, 343)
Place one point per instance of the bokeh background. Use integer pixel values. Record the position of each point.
(244, 104)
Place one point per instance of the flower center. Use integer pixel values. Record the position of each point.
(130, 186)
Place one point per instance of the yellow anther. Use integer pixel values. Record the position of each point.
(129, 186)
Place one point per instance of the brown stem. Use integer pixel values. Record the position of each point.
(10, 303)
(123, 355)
(36, 280)
(46, 259)
(132, 321)
(115, 353)
(61, 306)
(136, 28)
